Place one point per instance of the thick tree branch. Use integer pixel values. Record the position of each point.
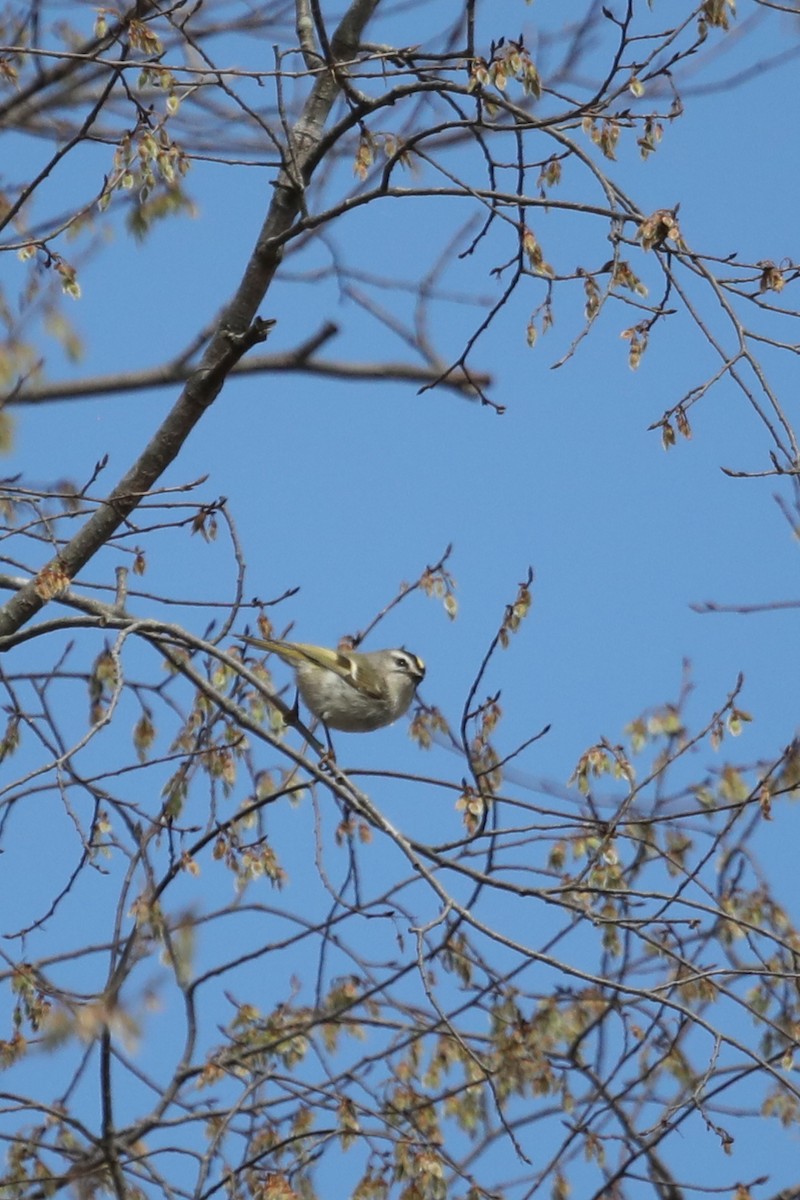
(236, 332)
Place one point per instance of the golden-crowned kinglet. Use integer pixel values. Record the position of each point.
(352, 690)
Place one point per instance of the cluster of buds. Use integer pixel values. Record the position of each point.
(506, 61)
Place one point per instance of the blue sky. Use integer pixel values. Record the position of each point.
(344, 490)
(622, 536)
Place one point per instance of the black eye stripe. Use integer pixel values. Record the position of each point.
(409, 663)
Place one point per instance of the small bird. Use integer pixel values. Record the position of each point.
(352, 690)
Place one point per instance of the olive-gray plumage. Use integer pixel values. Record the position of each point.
(352, 690)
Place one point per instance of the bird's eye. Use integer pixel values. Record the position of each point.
(409, 663)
